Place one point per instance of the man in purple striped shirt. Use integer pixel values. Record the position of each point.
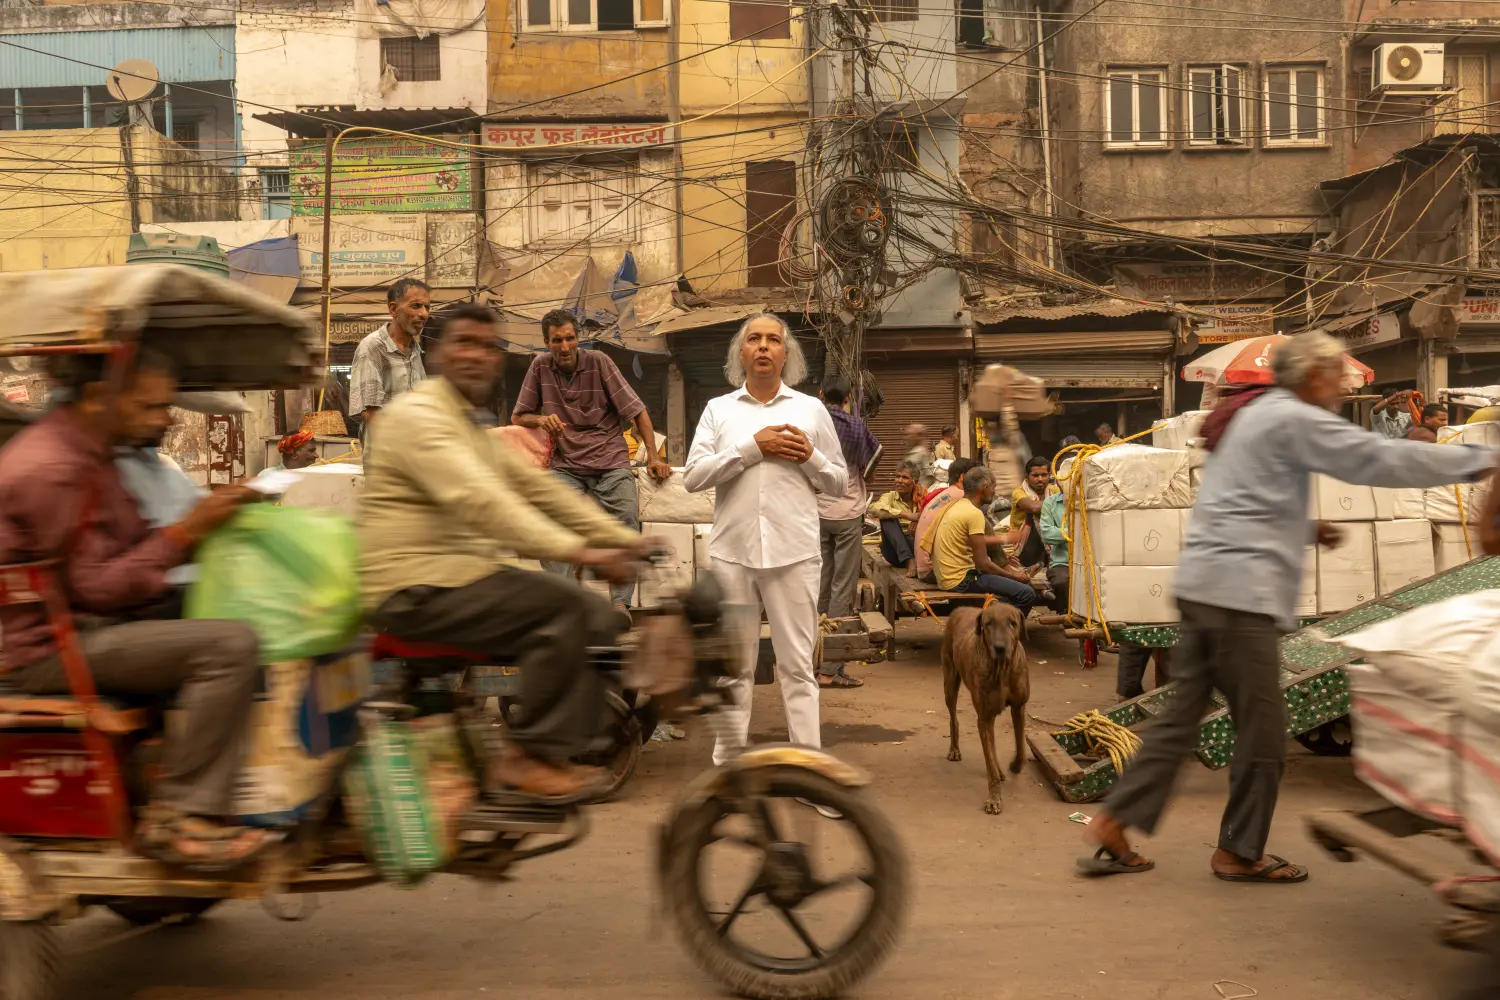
(581, 399)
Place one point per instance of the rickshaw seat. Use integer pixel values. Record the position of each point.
(51, 711)
(388, 647)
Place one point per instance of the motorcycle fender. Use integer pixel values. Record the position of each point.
(25, 893)
(711, 783)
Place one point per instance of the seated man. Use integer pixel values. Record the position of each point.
(898, 514)
(445, 510)
(298, 451)
(960, 548)
(62, 498)
(1050, 524)
(932, 508)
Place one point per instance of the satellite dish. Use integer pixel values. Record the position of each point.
(132, 80)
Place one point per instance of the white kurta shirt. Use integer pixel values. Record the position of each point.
(765, 509)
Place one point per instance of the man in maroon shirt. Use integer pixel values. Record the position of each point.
(582, 400)
(61, 498)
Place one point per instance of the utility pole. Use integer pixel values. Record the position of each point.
(327, 231)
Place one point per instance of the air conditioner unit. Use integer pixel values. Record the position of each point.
(1408, 66)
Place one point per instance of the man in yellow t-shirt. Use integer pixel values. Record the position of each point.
(960, 548)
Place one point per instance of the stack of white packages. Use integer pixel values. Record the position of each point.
(683, 520)
(1382, 551)
(1426, 709)
(1454, 510)
(1138, 500)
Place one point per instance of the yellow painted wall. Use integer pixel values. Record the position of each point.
(755, 76)
(62, 199)
(713, 192)
(530, 66)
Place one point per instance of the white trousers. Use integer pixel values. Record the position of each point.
(789, 595)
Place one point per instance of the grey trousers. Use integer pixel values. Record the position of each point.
(542, 623)
(838, 584)
(1236, 652)
(1130, 670)
(615, 491)
(211, 666)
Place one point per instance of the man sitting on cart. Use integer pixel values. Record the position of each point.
(62, 498)
(445, 510)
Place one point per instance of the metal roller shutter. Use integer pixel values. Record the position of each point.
(1108, 371)
(923, 393)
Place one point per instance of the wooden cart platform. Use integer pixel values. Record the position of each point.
(899, 594)
(1312, 681)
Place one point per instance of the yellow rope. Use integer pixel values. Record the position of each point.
(1075, 503)
(1458, 497)
(1101, 733)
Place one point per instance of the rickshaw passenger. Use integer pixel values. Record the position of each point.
(445, 509)
(62, 497)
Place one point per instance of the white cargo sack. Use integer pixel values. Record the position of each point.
(670, 502)
(1134, 477)
(1176, 433)
(1428, 684)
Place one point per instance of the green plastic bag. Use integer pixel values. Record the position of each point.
(290, 573)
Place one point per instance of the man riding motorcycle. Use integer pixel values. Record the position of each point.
(445, 510)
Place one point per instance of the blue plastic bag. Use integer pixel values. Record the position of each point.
(290, 573)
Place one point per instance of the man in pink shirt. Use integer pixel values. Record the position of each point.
(921, 566)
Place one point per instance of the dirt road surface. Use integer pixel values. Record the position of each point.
(998, 913)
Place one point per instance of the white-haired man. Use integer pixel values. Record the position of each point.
(1239, 566)
(767, 450)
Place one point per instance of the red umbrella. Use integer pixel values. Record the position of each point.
(1248, 362)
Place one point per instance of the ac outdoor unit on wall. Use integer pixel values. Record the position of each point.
(1408, 66)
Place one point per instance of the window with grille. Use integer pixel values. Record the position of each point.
(276, 190)
(1135, 107)
(594, 15)
(185, 133)
(1488, 226)
(1467, 110)
(893, 11)
(901, 148)
(1294, 99)
(576, 204)
(1218, 107)
(412, 59)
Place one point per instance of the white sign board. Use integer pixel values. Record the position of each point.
(366, 249)
(1237, 322)
(1479, 309)
(1380, 329)
(541, 136)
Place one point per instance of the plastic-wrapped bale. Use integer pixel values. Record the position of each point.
(1127, 594)
(670, 502)
(1403, 554)
(1135, 477)
(1408, 700)
(337, 486)
(1479, 752)
(1177, 433)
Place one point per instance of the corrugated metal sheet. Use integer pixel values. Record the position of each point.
(181, 55)
(1005, 348)
(1120, 371)
(993, 314)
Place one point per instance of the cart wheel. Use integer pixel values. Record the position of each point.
(28, 961)
(143, 911)
(1331, 739)
(754, 895)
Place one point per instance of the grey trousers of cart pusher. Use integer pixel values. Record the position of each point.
(212, 667)
(542, 623)
(1236, 652)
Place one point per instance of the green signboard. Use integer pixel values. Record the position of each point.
(383, 174)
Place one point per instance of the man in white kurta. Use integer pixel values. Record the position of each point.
(767, 450)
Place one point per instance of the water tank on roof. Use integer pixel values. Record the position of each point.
(201, 252)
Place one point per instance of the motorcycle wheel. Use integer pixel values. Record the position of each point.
(624, 738)
(144, 911)
(28, 961)
(783, 882)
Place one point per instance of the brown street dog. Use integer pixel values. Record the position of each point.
(984, 649)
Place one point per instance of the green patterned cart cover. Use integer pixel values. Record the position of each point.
(1312, 673)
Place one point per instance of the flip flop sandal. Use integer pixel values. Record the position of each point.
(223, 848)
(1106, 862)
(842, 680)
(1264, 875)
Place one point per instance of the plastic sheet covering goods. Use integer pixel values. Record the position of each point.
(290, 573)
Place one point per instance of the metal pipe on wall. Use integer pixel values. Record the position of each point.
(1041, 78)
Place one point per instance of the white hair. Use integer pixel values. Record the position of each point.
(1296, 358)
(794, 372)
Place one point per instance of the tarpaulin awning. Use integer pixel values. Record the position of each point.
(267, 266)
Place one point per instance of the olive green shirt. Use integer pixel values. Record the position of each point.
(446, 504)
